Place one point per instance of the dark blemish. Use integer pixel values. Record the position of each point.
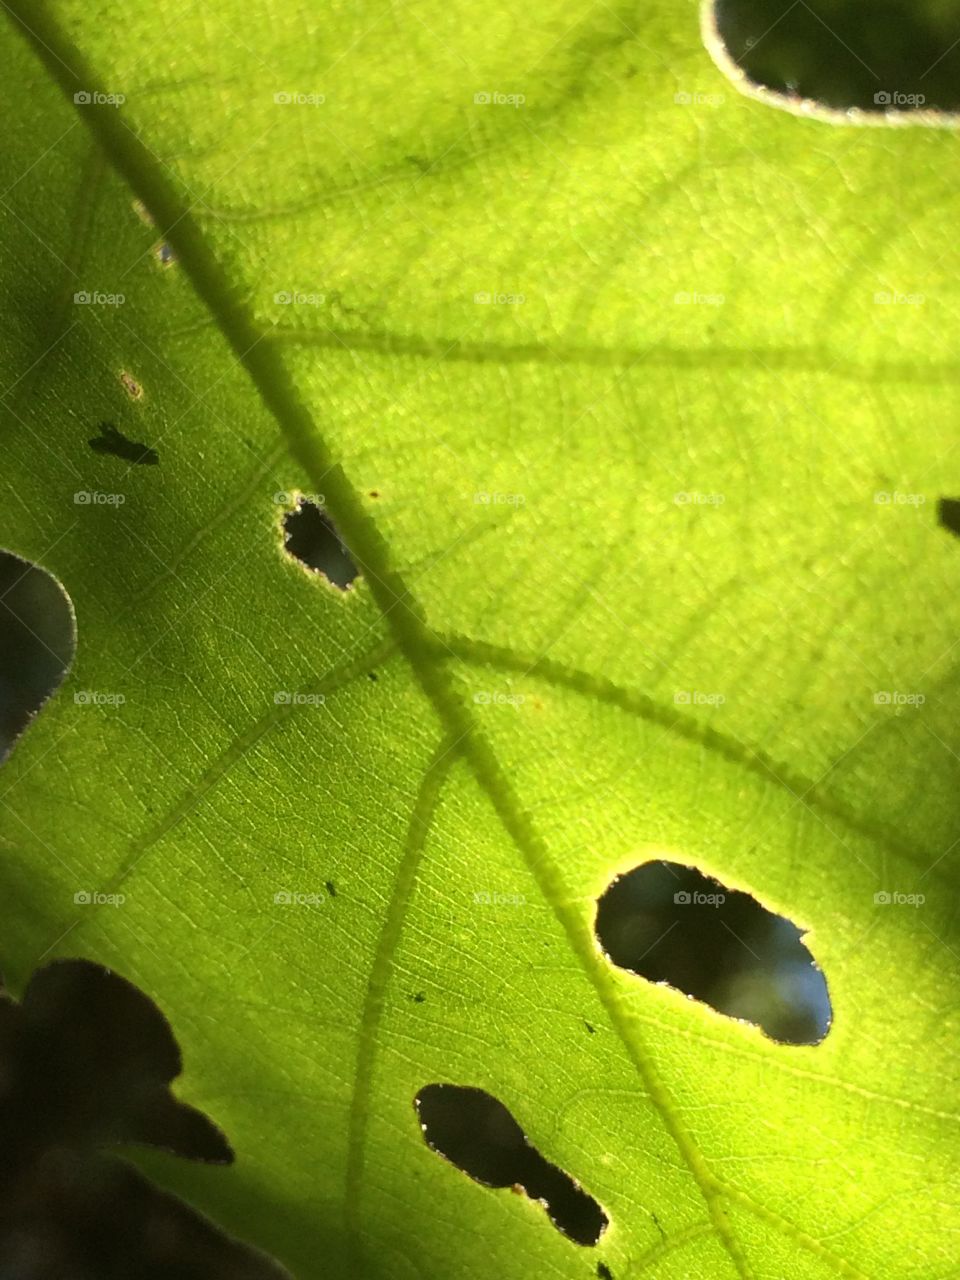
(372, 675)
(131, 386)
(948, 513)
(311, 537)
(478, 1134)
(374, 493)
(592, 1030)
(418, 998)
(331, 888)
(164, 254)
(112, 441)
(604, 1272)
(673, 925)
(422, 164)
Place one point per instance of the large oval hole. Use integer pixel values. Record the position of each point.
(672, 924)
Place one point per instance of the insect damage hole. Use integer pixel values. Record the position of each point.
(673, 925)
(476, 1132)
(948, 513)
(311, 537)
(889, 61)
(37, 643)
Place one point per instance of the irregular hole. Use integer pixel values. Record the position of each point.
(86, 1061)
(311, 536)
(604, 1272)
(478, 1134)
(114, 442)
(37, 643)
(882, 57)
(948, 513)
(671, 924)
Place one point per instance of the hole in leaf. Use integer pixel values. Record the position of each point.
(114, 442)
(37, 642)
(604, 1272)
(311, 536)
(880, 57)
(671, 924)
(478, 1134)
(86, 1061)
(948, 513)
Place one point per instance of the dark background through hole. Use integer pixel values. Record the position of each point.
(848, 53)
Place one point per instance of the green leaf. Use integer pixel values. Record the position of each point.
(506, 474)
